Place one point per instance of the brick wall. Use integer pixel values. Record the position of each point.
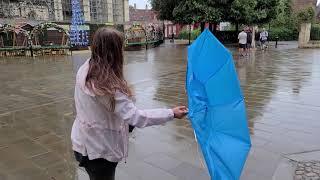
(302, 4)
(142, 15)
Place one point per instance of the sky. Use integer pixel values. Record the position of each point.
(141, 4)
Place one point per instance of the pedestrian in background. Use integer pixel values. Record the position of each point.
(263, 38)
(249, 39)
(242, 37)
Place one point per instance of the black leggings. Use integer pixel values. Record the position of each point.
(97, 169)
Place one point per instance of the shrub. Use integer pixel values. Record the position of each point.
(184, 34)
(223, 36)
(283, 34)
(306, 15)
(315, 32)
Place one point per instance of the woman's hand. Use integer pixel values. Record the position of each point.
(180, 111)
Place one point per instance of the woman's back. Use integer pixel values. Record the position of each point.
(104, 108)
(98, 130)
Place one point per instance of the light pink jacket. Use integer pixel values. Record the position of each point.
(100, 133)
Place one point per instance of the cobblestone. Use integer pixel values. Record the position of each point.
(307, 171)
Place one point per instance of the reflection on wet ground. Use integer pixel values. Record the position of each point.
(36, 112)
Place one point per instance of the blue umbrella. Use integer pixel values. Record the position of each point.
(217, 108)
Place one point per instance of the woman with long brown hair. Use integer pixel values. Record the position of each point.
(105, 109)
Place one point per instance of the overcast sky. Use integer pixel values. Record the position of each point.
(141, 4)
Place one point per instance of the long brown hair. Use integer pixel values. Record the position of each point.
(105, 74)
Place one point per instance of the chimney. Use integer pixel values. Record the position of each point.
(135, 6)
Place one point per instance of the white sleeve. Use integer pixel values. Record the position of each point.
(126, 110)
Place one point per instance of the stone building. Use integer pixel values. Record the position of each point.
(25, 9)
(95, 11)
(148, 16)
(143, 15)
(318, 12)
(106, 11)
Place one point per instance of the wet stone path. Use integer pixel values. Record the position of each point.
(281, 89)
(308, 171)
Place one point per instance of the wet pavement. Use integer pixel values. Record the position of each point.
(281, 89)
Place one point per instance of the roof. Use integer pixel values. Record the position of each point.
(145, 15)
(19, 21)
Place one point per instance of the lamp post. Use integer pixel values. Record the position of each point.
(164, 31)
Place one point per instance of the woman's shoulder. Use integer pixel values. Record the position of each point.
(83, 70)
(82, 76)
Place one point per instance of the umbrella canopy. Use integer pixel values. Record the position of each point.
(216, 107)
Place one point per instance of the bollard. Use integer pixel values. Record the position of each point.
(172, 38)
(31, 51)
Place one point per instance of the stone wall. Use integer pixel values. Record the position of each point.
(126, 11)
(58, 13)
(37, 12)
(86, 10)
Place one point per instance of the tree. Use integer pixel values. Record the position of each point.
(284, 13)
(253, 11)
(306, 15)
(188, 11)
(250, 12)
(215, 12)
(285, 25)
(265, 11)
(242, 12)
(164, 8)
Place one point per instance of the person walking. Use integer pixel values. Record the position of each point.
(104, 108)
(263, 38)
(249, 39)
(242, 37)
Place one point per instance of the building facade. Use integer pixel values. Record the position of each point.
(95, 11)
(302, 4)
(148, 16)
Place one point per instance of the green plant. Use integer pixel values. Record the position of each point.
(315, 32)
(283, 34)
(306, 15)
(184, 34)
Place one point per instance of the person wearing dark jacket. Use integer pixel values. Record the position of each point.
(249, 39)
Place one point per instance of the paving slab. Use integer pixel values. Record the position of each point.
(281, 88)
